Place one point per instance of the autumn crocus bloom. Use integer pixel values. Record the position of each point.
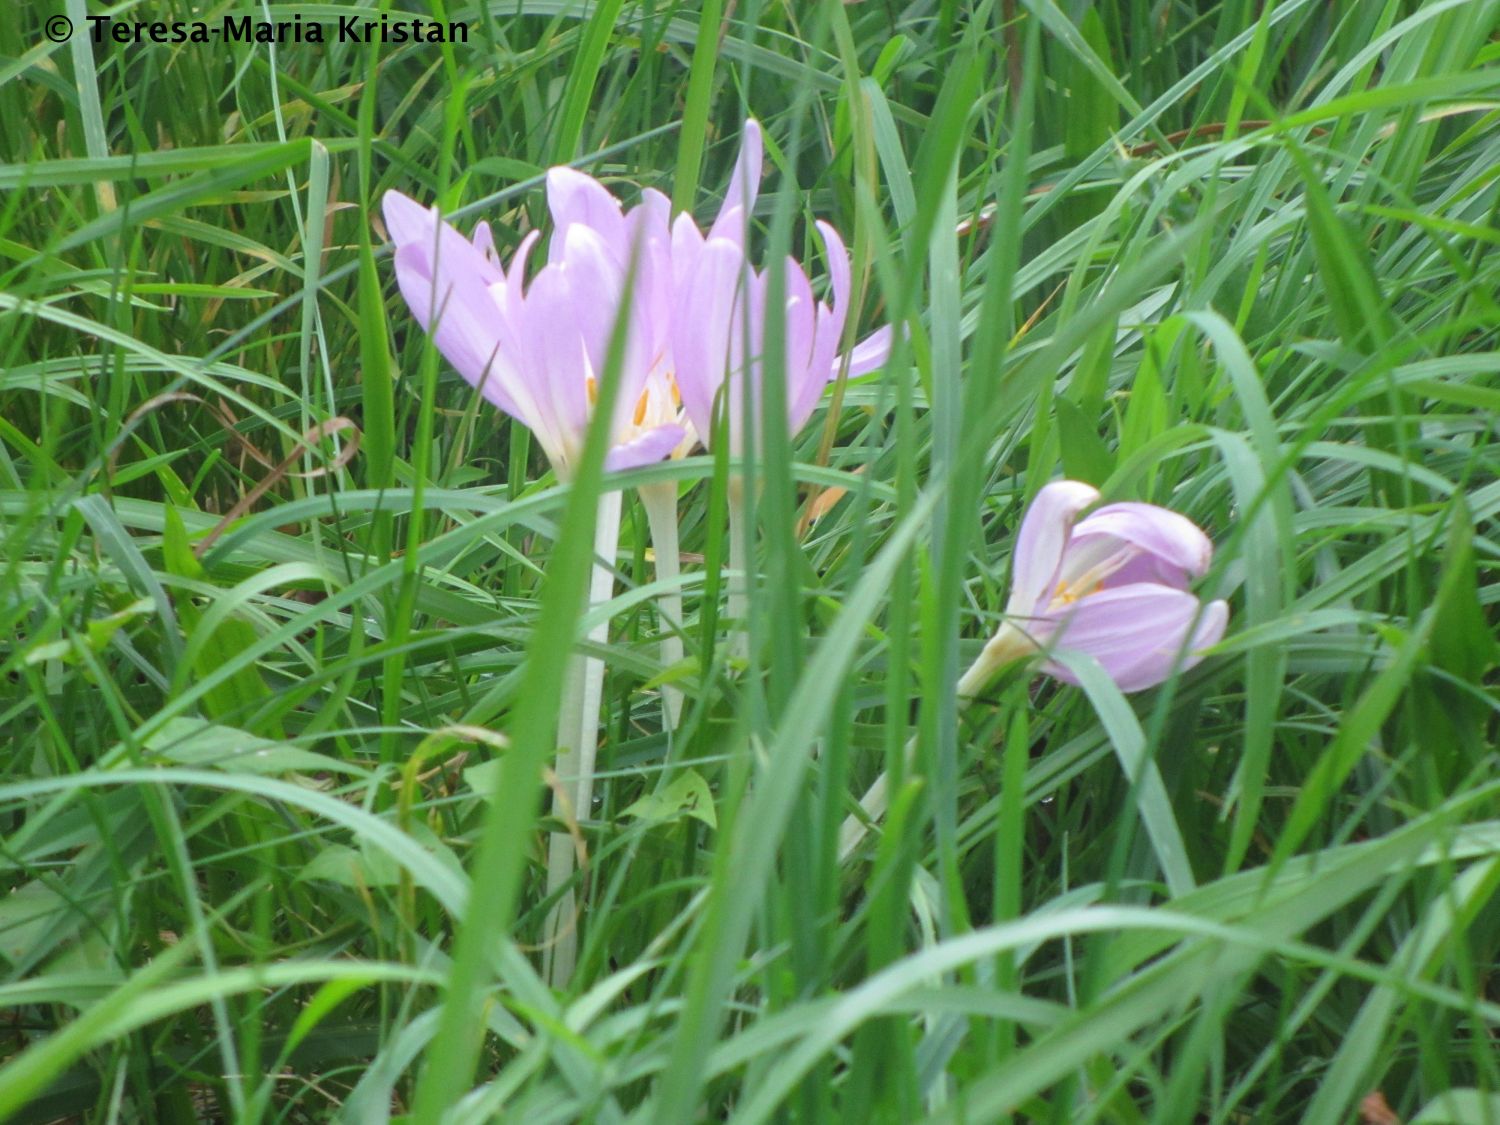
(1113, 585)
(537, 351)
(720, 312)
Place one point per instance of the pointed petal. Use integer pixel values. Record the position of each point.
(558, 370)
(838, 275)
(464, 327)
(574, 197)
(806, 376)
(484, 242)
(1136, 633)
(406, 220)
(598, 286)
(798, 292)
(687, 244)
(649, 235)
(869, 354)
(411, 224)
(745, 375)
(596, 282)
(654, 211)
(744, 186)
(516, 277)
(701, 330)
(650, 447)
(829, 332)
(1044, 536)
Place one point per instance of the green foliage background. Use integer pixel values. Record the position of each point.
(258, 682)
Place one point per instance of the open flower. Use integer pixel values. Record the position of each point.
(718, 323)
(1113, 585)
(537, 351)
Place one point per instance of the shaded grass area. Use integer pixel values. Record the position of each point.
(274, 603)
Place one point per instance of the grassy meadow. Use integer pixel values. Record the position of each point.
(287, 609)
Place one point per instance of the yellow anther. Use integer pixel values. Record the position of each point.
(592, 388)
(640, 408)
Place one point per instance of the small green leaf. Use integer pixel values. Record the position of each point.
(176, 548)
(99, 632)
(688, 795)
(1084, 454)
(482, 778)
(348, 867)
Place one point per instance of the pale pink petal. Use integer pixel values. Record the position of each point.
(867, 355)
(701, 330)
(1136, 633)
(411, 224)
(799, 292)
(596, 281)
(465, 326)
(747, 336)
(1045, 531)
(649, 235)
(838, 276)
(829, 319)
(516, 277)
(646, 449)
(1175, 542)
(406, 220)
(653, 212)
(744, 186)
(574, 197)
(484, 242)
(1097, 561)
(1211, 626)
(687, 244)
(806, 376)
(558, 368)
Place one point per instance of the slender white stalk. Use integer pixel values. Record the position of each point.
(660, 502)
(601, 589)
(578, 742)
(737, 605)
(1007, 645)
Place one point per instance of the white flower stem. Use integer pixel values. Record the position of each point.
(737, 604)
(578, 743)
(1007, 645)
(660, 502)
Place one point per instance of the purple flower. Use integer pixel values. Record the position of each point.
(721, 308)
(1113, 585)
(536, 351)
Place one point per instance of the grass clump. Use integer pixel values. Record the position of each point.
(282, 598)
